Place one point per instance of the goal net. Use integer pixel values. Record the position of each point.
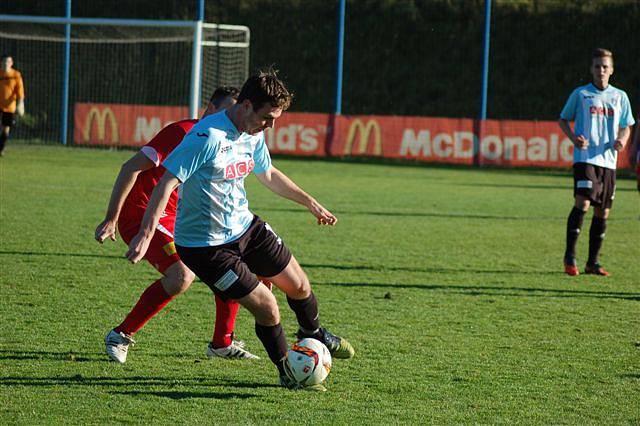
(125, 81)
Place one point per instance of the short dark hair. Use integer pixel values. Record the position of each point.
(601, 53)
(266, 88)
(223, 92)
(5, 56)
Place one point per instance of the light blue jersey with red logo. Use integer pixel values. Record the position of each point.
(598, 115)
(212, 162)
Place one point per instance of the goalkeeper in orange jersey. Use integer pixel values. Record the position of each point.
(11, 98)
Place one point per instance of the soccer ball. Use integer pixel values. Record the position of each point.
(309, 362)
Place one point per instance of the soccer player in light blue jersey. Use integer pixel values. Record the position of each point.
(602, 126)
(216, 234)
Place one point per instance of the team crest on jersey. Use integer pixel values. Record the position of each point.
(239, 169)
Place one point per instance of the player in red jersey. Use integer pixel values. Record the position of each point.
(132, 189)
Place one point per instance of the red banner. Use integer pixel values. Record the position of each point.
(122, 125)
(431, 140)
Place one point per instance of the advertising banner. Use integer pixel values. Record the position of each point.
(122, 125)
(431, 140)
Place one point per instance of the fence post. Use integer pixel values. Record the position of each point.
(479, 126)
(65, 76)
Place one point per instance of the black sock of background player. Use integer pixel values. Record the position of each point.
(574, 224)
(596, 237)
(3, 140)
(274, 342)
(306, 311)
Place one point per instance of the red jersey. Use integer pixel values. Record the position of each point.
(156, 150)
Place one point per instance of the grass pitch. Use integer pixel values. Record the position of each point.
(448, 282)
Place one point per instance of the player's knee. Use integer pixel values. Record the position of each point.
(301, 288)
(267, 313)
(178, 280)
(582, 204)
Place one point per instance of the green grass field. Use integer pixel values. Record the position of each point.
(447, 281)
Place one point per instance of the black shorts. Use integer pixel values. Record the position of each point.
(596, 183)
(230, 269)
(8, 119)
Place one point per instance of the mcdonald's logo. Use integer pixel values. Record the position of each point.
(101, 118)
(364, 133)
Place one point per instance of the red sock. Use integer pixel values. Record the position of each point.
(150, 303)
(226, 313)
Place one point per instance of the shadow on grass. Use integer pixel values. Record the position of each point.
(187, 395)
(424, 270)
(62, 254)
(144, 381)
(568, 187)
(18, 355)
(630, 376)
(496, 291)
(436, 215)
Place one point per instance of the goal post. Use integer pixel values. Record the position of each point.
(134, 62)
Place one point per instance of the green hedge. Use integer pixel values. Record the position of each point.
(412, 57)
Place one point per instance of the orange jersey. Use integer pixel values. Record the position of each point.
(11, 89)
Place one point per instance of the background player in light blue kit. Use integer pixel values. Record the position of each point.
(602, 127)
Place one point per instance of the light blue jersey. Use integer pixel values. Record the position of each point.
(598, 115)
(212, 162)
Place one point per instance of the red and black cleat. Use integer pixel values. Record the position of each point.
(595, 269)
(571, 267)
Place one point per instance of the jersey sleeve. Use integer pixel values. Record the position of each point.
(163, 143)
(196, 149)
(261, 157)
(569, 111)
(626, 117)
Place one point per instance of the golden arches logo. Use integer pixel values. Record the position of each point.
(100, 117)
(364, 132)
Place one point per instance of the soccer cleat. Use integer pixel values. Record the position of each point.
(595, 269)
(117, 344)
(289, 383)
(338, 347)
(232, 351)
(238, 343)
(571, 267)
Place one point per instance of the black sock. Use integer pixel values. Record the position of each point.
(596, 237)
(306, 311)
(3, 140)
(574, 224)
(274, 342)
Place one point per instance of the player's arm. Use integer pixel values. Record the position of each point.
(157, 203)
(626, 121)
(279, 183)
(623, 136)
(124, 182)
(20, 97)
(579, 142)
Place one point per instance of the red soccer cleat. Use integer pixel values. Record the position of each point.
(571, 267)
(595, 269)
(571, 270)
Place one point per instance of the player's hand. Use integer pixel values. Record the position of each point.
(20, 107)
(107, 229)
(581, 142)
(324, 216)
(138, 247)
(618, 145)
(266, 282)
